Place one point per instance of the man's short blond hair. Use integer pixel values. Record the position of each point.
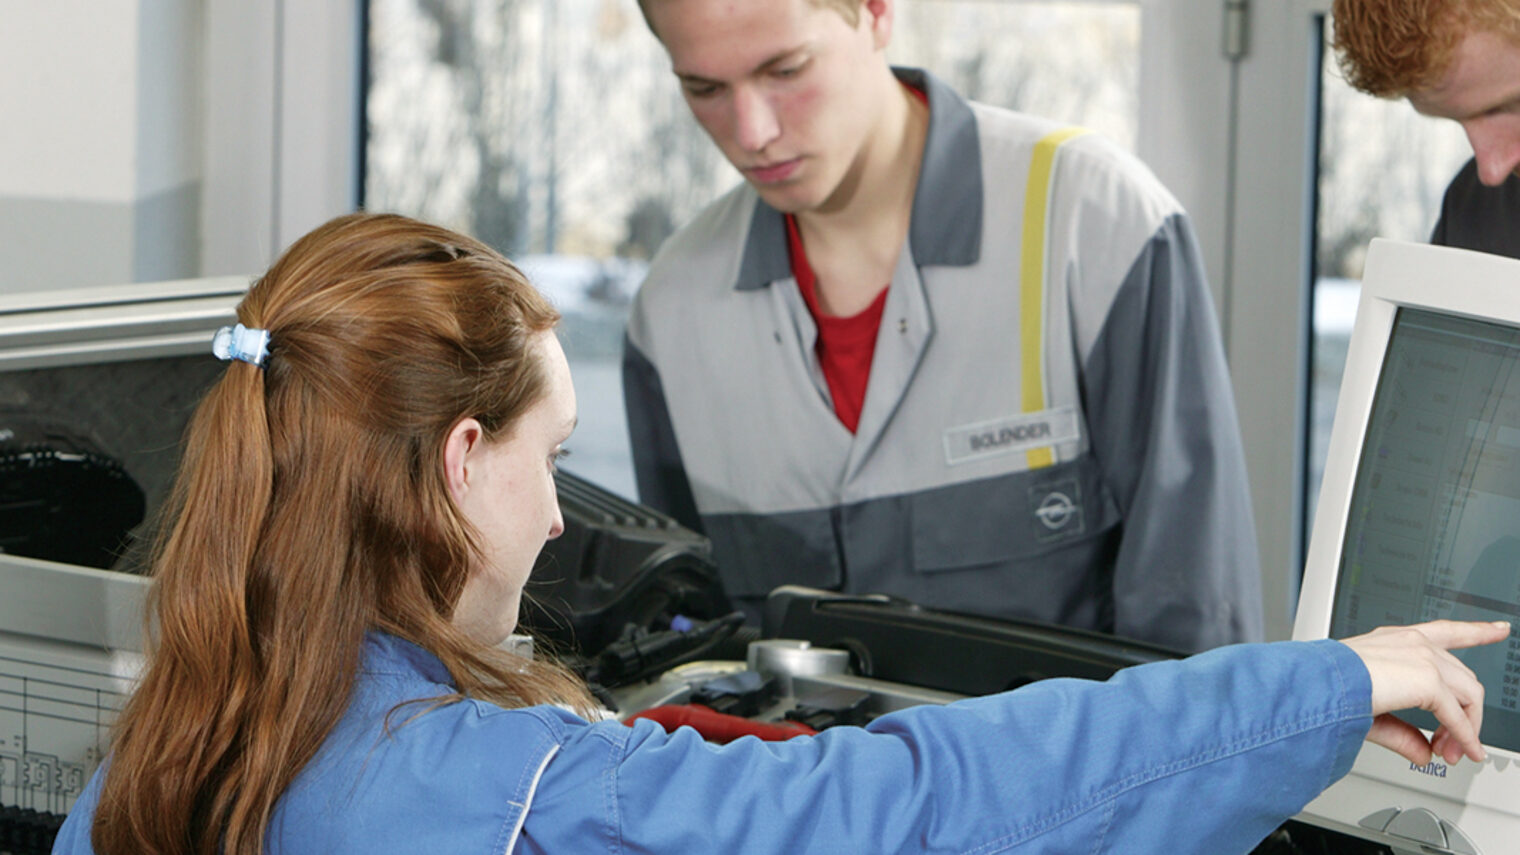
(848, 9)
(1391, 48)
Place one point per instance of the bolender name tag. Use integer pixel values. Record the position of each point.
(1010, 434)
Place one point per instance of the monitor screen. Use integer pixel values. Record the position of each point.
(1434, 524)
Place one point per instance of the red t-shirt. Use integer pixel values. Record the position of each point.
(845, 345)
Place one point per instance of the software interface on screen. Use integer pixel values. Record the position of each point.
(1434, 523)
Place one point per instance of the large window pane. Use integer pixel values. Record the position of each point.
(553, 130)
(1382, 170)
(1075, 62)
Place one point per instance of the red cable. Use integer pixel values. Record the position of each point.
(720, 727)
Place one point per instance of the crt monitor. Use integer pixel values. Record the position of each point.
(1418, 519)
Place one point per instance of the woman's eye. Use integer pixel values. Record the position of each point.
(558, 455)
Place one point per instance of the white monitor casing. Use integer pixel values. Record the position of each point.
(1482, 800)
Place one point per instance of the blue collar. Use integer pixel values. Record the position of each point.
(384, 653)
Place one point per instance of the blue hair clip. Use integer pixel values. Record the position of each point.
(240, 342)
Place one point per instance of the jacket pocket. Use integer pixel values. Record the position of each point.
(758, 552)
(1007, 519)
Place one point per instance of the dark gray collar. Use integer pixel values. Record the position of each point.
(946, 225)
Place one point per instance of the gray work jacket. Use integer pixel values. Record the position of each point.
(1048, 430)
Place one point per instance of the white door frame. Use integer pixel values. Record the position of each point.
(282, 125)
(1270, 264)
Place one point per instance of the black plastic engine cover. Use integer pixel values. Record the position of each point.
(61, 497)
(896, 640)
(617, 563)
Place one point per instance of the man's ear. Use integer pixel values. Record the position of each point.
(458, 456)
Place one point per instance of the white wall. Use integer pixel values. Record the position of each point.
(100, 143)
(160, 139)
(283, 114)
(69, 100)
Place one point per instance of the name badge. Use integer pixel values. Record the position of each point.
(1011, 434)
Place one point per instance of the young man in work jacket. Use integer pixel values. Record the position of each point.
(932, 348)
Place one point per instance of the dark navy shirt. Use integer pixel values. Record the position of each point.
(1475, 216)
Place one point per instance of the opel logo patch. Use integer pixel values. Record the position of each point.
(1055, 510)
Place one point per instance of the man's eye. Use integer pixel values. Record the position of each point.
(700, 90)
(792, 67)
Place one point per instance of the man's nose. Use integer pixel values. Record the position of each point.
(755, 122)
(1496, 146)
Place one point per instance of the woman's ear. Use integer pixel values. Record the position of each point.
(458, 456)
(880, 15)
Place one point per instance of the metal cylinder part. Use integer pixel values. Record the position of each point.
(785, 658)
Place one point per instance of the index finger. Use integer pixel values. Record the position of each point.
(1458, 634)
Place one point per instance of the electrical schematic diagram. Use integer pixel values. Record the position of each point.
(57, 703)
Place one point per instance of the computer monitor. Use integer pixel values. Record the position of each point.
(1418, 519)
